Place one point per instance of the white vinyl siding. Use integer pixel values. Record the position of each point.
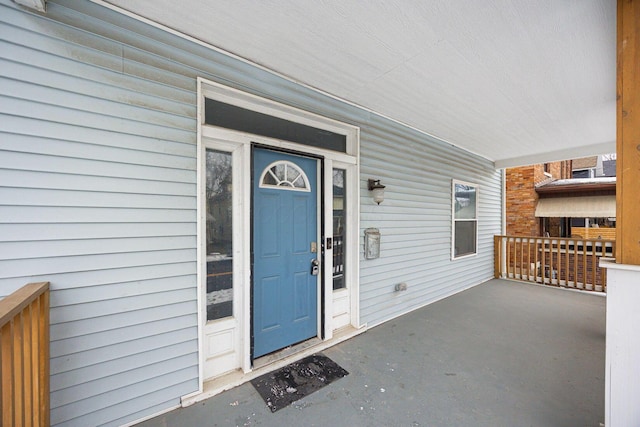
(98, 196)
(415, 219)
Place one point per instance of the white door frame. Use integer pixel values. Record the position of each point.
(239, 143)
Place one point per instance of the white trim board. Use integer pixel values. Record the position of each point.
(239, 144)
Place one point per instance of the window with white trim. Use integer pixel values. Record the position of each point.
(219, 232)
(339, 228)
(465, 219)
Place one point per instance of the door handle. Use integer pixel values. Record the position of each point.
(315, 267)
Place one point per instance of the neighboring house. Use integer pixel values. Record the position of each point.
(522, 198)
(594, 166)
(584, 168)
(586, 207)
(562, 199)
(164, 189)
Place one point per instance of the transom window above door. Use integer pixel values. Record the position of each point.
(284, 175)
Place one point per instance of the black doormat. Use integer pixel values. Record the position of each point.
(293, 382)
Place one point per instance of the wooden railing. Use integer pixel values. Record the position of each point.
(566, 262)
(594, 233)
(24, 356)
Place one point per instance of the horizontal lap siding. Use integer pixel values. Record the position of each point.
(98, 196)
(415, 219)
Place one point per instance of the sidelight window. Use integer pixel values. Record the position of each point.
(219, 234)
(339, 228)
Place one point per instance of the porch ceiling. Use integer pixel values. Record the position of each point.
(517, 82)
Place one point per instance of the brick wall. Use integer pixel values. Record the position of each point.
(521, 199)
(538, 173)
(521, 196)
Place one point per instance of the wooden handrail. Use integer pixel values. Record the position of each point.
(571, 262)
(24, 356)
(17, 301)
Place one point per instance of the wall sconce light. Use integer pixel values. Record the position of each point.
(377, 189)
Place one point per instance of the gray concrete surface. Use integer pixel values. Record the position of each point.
(500, 354)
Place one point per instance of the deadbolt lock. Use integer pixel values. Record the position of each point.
(315, 267)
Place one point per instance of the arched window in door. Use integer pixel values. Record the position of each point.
(284, 175)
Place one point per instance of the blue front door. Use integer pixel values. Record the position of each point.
(285, 234)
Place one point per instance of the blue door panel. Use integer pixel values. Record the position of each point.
(269, 226)
(270, 318)
(301, 296)
(303, 218)
(285, 294)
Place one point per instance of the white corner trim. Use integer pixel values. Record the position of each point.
(39, 5)
(610, 263)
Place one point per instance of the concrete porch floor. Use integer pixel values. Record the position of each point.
(500, 354)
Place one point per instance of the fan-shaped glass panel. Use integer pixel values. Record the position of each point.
(284, 175)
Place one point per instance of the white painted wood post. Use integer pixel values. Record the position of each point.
(622, 384)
